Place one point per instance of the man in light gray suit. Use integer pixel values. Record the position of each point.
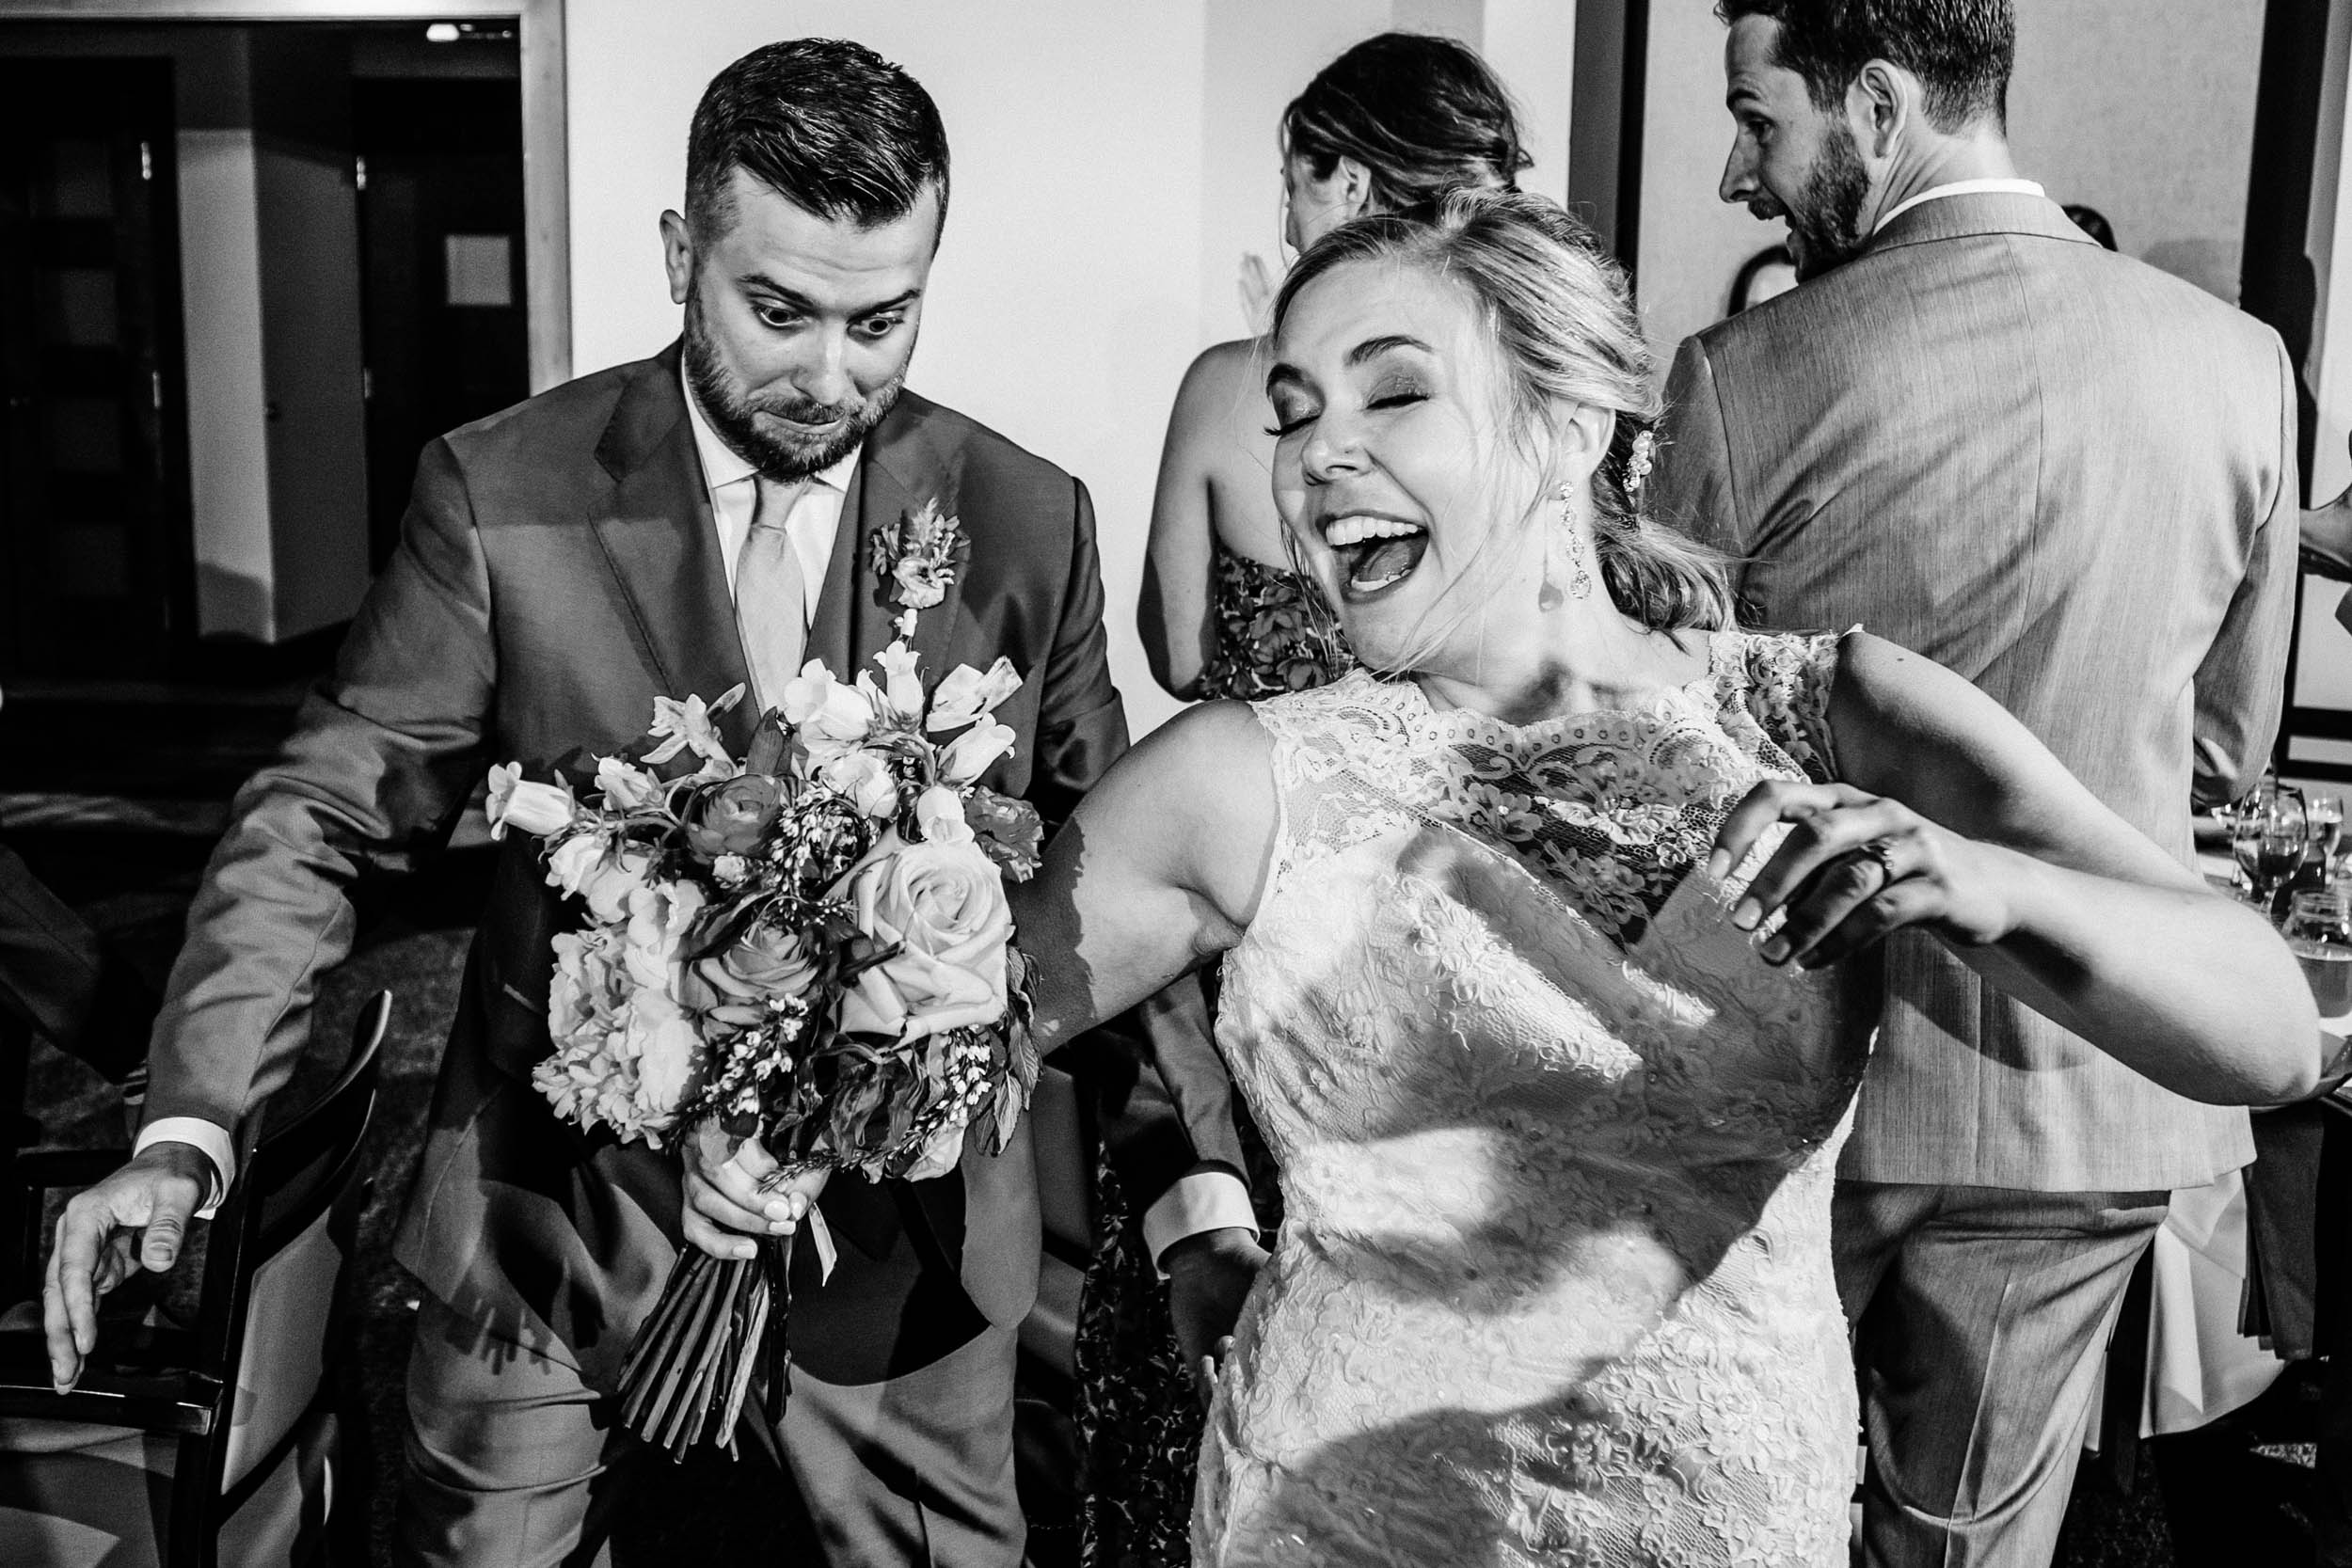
(2072, 478)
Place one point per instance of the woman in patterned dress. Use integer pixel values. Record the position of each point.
(1389, 126)
(1539, 937)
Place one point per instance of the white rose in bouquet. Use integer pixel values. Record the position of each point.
(662, 1038)
(943, 905)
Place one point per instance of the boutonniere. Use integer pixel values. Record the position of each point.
(918, 554)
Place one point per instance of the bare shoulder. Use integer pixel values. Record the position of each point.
(1225, 367)
(1888, 700)
(1195, 797)
(1207, 761)
(1222, 378)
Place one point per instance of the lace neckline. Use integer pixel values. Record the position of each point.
(1458, 723)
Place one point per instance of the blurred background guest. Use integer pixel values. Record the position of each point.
(1984, 438)
(1767, 275)
(1390, 126)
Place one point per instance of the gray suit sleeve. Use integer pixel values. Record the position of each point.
(1693, 488)
(382, 760)
(2241, 684)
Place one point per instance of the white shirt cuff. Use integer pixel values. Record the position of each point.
(1205, 1200)
(212, 1139)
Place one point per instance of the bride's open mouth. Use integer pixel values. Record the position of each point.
(1376, 553)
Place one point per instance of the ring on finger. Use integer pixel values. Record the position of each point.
(1881, 852)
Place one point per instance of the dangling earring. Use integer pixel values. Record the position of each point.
(1579, 586)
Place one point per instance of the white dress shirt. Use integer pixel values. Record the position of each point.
(811, 525)
(1960, 187)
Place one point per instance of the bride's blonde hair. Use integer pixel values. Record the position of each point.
(1562, 315)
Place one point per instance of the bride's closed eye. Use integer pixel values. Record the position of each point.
(1290, 417)
(1397, 393)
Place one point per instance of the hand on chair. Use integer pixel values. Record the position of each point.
(136, 1218)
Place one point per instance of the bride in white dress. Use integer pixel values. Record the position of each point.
(1530, 949)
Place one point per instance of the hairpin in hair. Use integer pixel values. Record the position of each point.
(1637, 462)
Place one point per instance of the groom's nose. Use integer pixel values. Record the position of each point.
(823, 375)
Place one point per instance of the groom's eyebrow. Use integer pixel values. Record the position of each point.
(798, 301)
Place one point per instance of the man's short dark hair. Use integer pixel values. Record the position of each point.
(829, 125)
(1961, 50)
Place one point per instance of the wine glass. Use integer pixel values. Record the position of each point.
(2319, 929)
(2278, 831)
(2246, 838)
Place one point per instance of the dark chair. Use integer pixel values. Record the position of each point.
(190, 1448)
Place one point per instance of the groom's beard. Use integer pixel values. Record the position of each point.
(749, 423)
(1825, 220)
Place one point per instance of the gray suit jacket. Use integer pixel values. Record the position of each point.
(557, 569)
(2071, 478)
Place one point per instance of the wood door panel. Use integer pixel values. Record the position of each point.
(92, 490)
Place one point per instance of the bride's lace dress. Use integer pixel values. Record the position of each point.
(1554, 1285)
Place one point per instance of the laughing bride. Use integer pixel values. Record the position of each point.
(1536, 948)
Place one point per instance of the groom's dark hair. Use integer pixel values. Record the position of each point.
(829, 125)
(1961, 50)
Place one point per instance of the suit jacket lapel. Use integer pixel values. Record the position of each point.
(897, 474)
(662, 545)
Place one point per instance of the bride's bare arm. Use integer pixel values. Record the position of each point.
(1952, 817)
(1157, 871)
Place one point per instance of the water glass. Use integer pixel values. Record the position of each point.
(2323, 822)
(2319, 929)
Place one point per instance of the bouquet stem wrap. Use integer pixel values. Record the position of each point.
(719, 1328)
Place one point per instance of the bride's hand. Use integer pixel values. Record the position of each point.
(733, 1191)
(1854, 867)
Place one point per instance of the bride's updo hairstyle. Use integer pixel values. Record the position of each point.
(1422, 114)
(1562, 318)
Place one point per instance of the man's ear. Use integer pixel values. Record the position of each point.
(677, 256)
(1879, 104)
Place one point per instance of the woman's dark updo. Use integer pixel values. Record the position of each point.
(1422, 114)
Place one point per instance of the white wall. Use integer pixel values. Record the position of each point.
(220, 286)
(1112, 163)
(2144, 110)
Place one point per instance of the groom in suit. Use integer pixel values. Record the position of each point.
(2072, 478)
(675, 525)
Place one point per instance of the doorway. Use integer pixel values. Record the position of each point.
(92, 457)
(223, 343)
(440, 167)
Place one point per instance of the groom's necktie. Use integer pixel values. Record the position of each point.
(771, 594)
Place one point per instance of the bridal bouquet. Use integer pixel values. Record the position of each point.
(810, 945)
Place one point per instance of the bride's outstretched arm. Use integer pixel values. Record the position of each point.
(1952, 817)
(1156, 872)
